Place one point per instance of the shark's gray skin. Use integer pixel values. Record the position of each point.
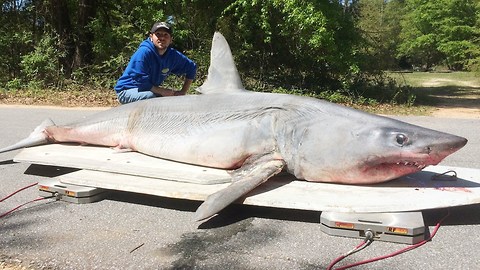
(257, 135)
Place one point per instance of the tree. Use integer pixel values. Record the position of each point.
(15, 41)
(379, 24)
(290, 44)
(305, 44)
(474, 62)
(438, 32)
(59, 19)
(84, 36)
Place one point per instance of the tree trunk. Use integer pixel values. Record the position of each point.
(83, 48)
(61, 22)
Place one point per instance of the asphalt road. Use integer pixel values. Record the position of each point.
(131, 231)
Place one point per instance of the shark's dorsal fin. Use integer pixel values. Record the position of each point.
(222, 75)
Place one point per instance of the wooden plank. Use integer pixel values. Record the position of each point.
(134, 172)
(412, 193)
(110, 160)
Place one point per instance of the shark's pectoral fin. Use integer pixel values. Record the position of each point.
(37, 137)
(252, 175)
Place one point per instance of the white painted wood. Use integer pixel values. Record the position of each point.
(416, 192)
(111, 160)
(411, 193)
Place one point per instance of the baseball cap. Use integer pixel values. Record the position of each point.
(163, 25)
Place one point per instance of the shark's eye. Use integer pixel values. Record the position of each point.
(401, 139)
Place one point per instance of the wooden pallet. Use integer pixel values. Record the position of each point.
(133, 172)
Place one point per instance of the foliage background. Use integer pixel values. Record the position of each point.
(326, 48)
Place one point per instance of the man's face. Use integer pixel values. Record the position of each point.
(161, 39)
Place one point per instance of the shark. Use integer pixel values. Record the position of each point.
(257, 135)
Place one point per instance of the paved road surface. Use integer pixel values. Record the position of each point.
(128, 231)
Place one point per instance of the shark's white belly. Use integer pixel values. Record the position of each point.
(222, 145)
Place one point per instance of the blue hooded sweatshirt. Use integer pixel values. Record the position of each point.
(148, 68)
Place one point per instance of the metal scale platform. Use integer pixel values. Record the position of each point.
(70, 193)
(402, 227)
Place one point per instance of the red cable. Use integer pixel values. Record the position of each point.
(391, 254)
(337, 260)
(38, 199)
(29, 186)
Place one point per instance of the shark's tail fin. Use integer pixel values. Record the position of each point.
(37, 137)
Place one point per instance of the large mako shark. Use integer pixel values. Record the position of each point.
(257, 135)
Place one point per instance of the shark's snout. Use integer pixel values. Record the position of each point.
(443, 147)
(460, 142)
(450, 144)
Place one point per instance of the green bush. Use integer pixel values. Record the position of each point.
(14, 84)
(41, 67)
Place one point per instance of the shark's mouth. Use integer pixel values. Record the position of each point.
(379, 170)
(390, 168)
(400, 168)
(416, 164)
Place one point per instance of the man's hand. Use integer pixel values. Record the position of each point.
(164, 92)
(178, 93)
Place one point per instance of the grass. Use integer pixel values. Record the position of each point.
(418, 79)
(432, 90)
(445, 90)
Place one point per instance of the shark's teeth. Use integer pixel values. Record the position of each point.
(408, 163)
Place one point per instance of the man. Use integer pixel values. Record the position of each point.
(153, 61)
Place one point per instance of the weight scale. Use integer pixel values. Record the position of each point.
(401, 227)
(70, 193)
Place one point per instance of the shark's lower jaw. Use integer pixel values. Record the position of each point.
(385, 171)
(372, 173)
(401, 168)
